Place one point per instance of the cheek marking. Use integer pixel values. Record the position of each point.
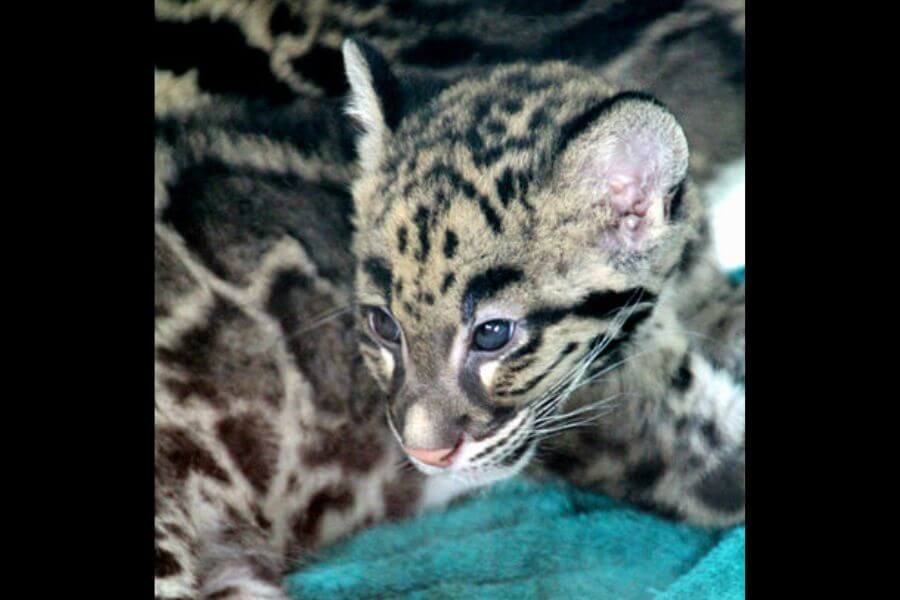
(388, 359)
(486, 372)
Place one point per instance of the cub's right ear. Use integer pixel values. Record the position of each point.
(627, 158)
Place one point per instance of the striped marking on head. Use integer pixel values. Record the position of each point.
(486, 285)
(596, 306)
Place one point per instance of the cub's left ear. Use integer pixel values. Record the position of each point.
(376, 98)
(628, 158)
(375, 92)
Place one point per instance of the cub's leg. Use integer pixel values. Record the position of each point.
(692, 466)
(698, 428)
(210, 543)
(696, 433)
(673, 442)
(237, 565)
(176, 575)
(230, 562)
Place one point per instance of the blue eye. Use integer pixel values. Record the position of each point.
(384, 325)
(493, 335)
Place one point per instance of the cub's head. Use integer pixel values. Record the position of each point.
(512, 230)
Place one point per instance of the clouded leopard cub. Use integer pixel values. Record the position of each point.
(522, 281)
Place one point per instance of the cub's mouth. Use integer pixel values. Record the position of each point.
(481, 461)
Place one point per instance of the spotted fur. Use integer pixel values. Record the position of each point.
(447, 196)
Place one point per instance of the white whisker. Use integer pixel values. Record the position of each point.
(323, 319)
(586, 408)
(547, 423)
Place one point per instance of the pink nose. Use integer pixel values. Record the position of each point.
(442, 457)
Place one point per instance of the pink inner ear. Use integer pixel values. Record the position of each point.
(627, 196)
(633, 224)
(630, 184)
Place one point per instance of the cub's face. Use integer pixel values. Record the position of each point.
(512, 231)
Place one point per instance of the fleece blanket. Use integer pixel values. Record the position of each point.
(523, 540)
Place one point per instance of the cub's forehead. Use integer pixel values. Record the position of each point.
(422, 260)
(481, 140)
(456, 191)
(543, 171)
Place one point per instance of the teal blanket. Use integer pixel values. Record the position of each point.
(525, 540)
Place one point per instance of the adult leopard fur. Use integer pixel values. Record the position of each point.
(688, 52)
(272, 386)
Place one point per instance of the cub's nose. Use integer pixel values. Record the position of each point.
(441, 457)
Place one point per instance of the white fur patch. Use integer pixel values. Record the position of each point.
(388, 359)
(441, 489)
(486, 372)
(716, 396)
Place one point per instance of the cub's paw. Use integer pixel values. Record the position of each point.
(242, 583)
